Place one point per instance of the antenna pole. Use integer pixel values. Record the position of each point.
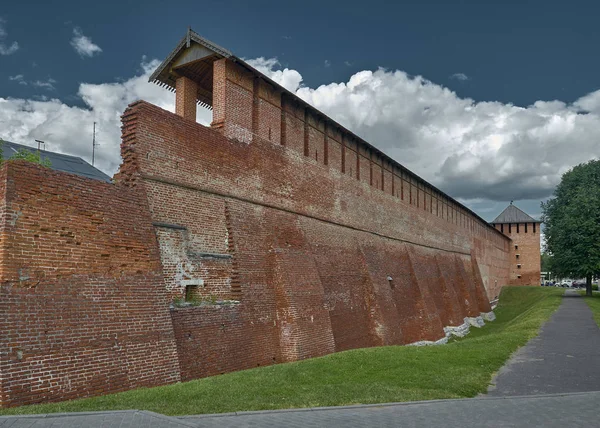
(94, 144)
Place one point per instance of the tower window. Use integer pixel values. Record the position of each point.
(533, 227)
(518, 256)
(502, 228)
(525, 227)
(516, 247)
(517, 227)
(509, 227)
(519, 266)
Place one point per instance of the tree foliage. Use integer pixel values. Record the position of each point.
(546, 262)
(31, 156)
(572, 220)
(28, 155)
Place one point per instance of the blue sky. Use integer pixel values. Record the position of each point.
(478, 60)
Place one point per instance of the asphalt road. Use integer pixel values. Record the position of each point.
(565, 357)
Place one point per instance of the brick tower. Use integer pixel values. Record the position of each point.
(524, 231)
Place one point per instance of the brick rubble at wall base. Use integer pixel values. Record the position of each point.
(459, 331)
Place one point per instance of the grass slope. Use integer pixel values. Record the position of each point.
(462, 368)
(594, 304)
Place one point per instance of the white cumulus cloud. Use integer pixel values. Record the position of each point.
(289, 79)
(487, 150)
(6, 49)
(19, 78)
(460, 76)
(68, 129)
(83, 45)
(44, 84)
(476, 151)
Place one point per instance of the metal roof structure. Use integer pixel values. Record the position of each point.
(194, 60)
(512, 214)
(201, 71)
(58, 161)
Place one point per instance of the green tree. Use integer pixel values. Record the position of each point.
(31, 156)
(28, 155)
(547, 261)
(572, 220)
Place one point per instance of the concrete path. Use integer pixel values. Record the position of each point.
(121, 419)
(550, 411)
(553, 381)
(572, 410)
(564, 358)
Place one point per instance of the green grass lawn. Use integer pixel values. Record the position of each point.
(594, 304)
(463, 368)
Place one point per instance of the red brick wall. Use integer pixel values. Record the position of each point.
(240, 111)
(185, 102)
(3, 217)
(212, 340)
(311, 250)
(83, 308)
(527, 238)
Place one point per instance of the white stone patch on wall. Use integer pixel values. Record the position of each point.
(441, 341)
(458, 331)
(488, 316)
(476, 321)
(192, 282)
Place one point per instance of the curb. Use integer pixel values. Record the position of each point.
(396, 404)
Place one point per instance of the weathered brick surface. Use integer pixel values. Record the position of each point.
(318, 242)
(83, 308)
(524, 259)
(212, 340)
(311, 247)
(185, 102)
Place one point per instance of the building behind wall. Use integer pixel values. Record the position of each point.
(525, 257)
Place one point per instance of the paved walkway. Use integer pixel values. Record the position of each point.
(121, 419)
(550, 411)
(565, 357)
(553, 381)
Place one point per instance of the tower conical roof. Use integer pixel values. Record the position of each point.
(512, 214)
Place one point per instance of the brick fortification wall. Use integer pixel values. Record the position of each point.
(83, 309)
(311, 240)
(318, 260)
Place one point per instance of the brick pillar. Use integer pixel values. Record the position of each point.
(233, 100)
(185, 98)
